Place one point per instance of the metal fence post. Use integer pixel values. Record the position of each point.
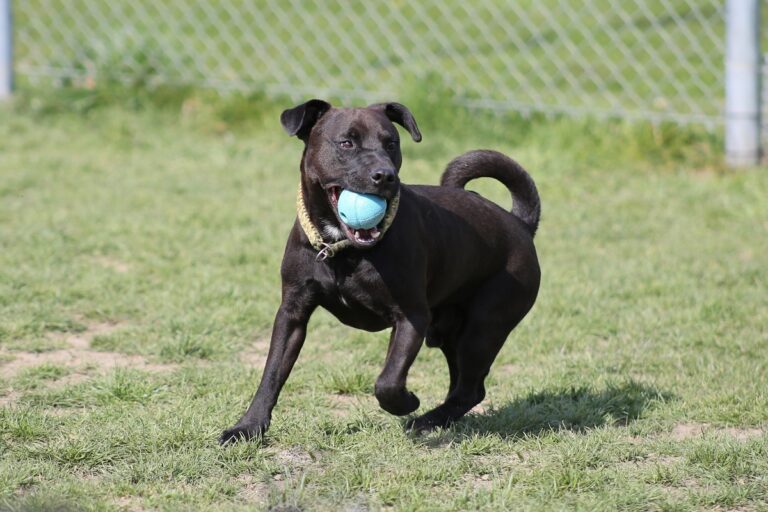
(6, 50)
(742, 83)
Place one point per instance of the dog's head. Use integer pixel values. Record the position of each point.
(356, 149)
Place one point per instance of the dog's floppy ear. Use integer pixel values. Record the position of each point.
(399, 114)
(300, 119)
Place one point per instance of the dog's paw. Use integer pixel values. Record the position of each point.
(398, 402)
(242, 432)
(428, 422)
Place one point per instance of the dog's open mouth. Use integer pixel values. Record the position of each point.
(361, 237)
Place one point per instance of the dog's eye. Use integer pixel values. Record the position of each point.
(391, 145)
(346, 144)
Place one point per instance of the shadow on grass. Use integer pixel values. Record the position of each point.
(572, 409)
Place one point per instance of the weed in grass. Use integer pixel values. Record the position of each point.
(665, 474)
(45, 501)
(24, 424)
(477, 444)
(128, 386)
(183, 346)
(348, 381)
(31, 378)
(121, 385)
(729, 458)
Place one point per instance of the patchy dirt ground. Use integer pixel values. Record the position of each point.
(78, 356)
(683, 431)
(256, 356)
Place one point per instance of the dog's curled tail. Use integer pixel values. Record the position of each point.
(484, 163)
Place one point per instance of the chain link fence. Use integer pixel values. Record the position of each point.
(650, 59)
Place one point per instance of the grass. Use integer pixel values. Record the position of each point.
(154, 228)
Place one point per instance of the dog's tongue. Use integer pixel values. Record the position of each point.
(365, 235)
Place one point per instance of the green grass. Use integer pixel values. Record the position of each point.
(636, 383)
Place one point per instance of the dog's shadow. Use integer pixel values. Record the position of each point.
(575, 409)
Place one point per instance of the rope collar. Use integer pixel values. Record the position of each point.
(327, 250)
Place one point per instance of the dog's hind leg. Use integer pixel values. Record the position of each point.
(449, 351)
(496, 308)
(445, 326)
(447, 322)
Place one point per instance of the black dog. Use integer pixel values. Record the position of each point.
(445, 264)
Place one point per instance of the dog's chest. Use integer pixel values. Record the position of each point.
(357, 297)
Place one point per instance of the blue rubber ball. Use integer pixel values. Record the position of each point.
(361, 211)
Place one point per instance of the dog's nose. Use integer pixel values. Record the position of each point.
(381, 176)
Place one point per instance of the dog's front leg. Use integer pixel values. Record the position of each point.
(288, 334)
(404, 344)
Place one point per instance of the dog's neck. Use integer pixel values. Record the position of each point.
(320, 210)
